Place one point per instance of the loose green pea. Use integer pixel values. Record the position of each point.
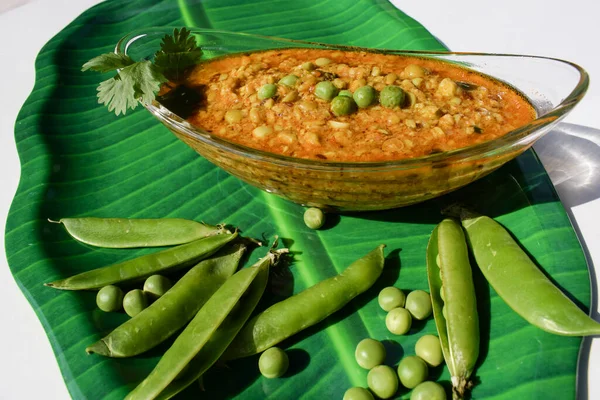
(157, 285)
(109, 298)
(391, 297)
(343, 105)
(383, 381)
(365, 96)
(418, 302)
(134, 302)
(392, 96)
(325, 90)
(412, 370)
(369, 353)
(273, 363)
(267, 91)
(357, 393)
(428, 347)
(289, 80)
(314, 218)
(346, 93)
(398, 321)
(428, 390)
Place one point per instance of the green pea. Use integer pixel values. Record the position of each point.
(365, 96)
(357, 393)
(308, 66)
(267, 91)
(383, 381)
(398, 321)
(418, 302)
(346, 93)
(273, 363)
(157, 285)
(428, 390)
(343, 105)
(289, 80)
(325, 90)
(390, 298)
(428, 347)
(392, 96)
(442, 295)
(369, 353)
(412, 371)
(109, 298)
(314, 218)
(134, 302)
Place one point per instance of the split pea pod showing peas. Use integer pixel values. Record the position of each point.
(206, 337)
(142, 267)
(449, 271)
(306, 308)
(172, 310)
(520, 283)
(120, 233)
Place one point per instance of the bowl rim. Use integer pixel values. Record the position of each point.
(512, 139)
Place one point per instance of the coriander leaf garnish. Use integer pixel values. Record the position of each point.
(137, 81)
(177, 53)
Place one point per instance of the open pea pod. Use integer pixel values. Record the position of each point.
(449, 274)
(206, 337)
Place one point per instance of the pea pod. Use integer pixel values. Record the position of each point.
(120, 233)
(458, 326)
(142, 267)
(533, 296)
(208, 334)
(173, 310)
(306, 308)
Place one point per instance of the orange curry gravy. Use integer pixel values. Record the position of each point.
(446, 106)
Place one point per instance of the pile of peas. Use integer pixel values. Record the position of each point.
(111, 298)
(343, 102)
(412, 371)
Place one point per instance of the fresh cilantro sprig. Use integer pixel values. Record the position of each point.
(137, 81)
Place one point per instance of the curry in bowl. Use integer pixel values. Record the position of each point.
(350, 106)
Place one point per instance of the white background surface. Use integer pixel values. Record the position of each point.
(568, 30)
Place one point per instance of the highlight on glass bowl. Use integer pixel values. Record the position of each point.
(339, 127)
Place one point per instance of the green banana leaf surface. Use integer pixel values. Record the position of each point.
(80, 160)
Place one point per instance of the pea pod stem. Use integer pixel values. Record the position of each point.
(532, 295)
(142, 267)
(173, 310)
(208, 334)
(306, 308)
(120, 233)
(458, 326)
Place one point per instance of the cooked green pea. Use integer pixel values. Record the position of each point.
(157, 285)
(383, 381)
(365, 96)
(369, 353)
(273, 363)
(428, 391)
(308, 66)
(267, 91)
(134, 302)
(322, 61)
(391, 297)
(289, 80)
(357, 393)
(343, 105)
(392, 96)
(398, 321)
(412, 370)
(418, 302)
(346, 93)
(428, 347)
(109, 298)
(325, 90)
(314, 218)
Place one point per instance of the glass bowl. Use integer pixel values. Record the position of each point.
(553, 86)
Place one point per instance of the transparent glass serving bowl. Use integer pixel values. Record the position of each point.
(553, 86)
